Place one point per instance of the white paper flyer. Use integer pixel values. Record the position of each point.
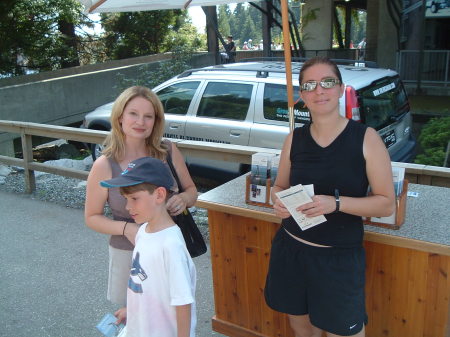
(296, 196)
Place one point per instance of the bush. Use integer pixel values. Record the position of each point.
(150, 77)
(433, 139)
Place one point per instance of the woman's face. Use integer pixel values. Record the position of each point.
(138, 118)
(321, 100)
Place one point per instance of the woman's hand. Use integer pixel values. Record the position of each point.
(176, 204)
(280, 210)
(321, 204)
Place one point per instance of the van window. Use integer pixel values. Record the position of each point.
(176, 98)
(383, 103)
(225, 100)
(276, 105)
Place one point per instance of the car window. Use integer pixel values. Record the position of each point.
(177, 97)
(276, 106)
(383, 103)
(225, 100)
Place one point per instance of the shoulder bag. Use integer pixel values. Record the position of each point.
(192, 236)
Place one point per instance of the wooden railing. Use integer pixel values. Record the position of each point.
(418, 174)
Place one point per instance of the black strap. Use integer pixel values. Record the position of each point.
(174, 172)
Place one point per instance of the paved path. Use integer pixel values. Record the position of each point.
(53, 272)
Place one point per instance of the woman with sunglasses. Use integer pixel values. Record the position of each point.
(317, 275)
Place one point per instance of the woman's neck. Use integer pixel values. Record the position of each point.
(325, 130)
(134, 150)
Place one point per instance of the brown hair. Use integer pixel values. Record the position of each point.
(114, 145)
(319, 60)
(150, 188)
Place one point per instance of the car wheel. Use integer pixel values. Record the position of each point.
(96, 150)
(434, 8)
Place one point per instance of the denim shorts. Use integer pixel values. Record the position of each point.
(325, 283)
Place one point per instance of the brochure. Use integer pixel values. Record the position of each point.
(108, 327)
(296, 196)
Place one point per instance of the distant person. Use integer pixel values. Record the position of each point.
(261, 45)
(250, 44)
(245, 46)
(137, 126)
(316, 275)
(162, 278)
(351, 45)
(230, 49)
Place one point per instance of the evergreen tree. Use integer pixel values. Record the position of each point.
(38, 35)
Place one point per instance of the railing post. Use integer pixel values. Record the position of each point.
(27, 150)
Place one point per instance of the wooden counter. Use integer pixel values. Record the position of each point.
(407, 275)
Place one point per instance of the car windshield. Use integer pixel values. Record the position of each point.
(383, 103)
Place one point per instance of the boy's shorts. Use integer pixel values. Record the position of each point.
(119, 273)
(325, 283)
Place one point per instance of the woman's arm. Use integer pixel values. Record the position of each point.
(178, 202)
(96, 197)
(183, 320)
(381, 201)
(282, 180)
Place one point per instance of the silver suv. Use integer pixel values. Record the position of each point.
(246, 104)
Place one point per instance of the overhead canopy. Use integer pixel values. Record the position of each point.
(97, 6)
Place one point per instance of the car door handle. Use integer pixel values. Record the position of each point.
(174, 126)
(235, 133)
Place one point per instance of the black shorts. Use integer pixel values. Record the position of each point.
(325, 283)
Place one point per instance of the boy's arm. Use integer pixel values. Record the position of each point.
(183, 320)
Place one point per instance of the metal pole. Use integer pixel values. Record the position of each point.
(287, 61)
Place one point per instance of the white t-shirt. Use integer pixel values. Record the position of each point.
(162, 276)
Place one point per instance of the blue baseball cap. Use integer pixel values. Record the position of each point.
(142, 170)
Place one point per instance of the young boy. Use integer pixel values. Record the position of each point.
(161, 287)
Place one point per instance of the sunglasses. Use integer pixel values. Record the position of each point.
(326, 83)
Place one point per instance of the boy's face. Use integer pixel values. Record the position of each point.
(142, 205)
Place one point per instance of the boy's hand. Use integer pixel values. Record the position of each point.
(121, 315)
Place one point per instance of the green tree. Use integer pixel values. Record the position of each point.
(39, 35)
(223, 20)
(131, 34)
(434, 139)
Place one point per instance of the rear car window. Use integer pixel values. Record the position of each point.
(276, 104)
(177, 97)
(225, 100)
(383, 102)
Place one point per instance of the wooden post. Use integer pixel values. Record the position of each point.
(27, 150)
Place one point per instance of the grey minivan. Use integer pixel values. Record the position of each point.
(246, 104)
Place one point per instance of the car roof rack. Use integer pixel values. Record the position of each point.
(277, 65)
(355, 63)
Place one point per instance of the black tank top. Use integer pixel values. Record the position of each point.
(340, 165)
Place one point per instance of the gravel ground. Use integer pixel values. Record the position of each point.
(71, 192)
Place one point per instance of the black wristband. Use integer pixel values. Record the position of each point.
(338, 200)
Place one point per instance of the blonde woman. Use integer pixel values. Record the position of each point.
(137, 126)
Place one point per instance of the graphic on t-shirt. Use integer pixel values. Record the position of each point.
(136, 270)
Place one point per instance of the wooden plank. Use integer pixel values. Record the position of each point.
(27, 150)
(407, 292)
(437, 315)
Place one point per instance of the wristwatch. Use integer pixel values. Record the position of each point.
(338, 200)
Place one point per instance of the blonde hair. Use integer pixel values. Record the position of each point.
(114, 145)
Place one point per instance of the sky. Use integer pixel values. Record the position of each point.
(198, 18)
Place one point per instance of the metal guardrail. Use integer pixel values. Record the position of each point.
(418, 174)
(435, 69)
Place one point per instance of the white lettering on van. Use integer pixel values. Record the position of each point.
(384, 89)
